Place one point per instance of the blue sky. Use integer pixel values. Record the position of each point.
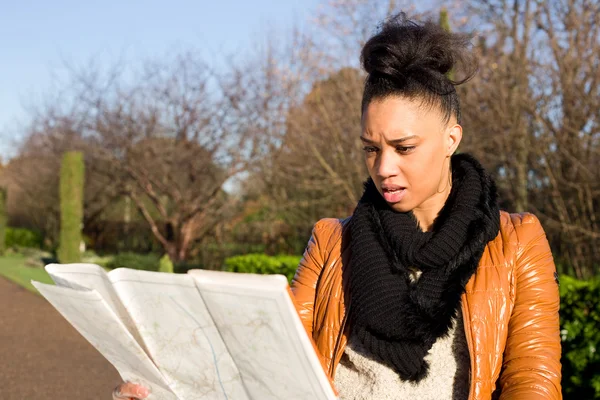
(39, 37)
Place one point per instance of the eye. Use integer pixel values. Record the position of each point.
(405, 149)
(370, 149)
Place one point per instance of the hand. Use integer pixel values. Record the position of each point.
(130, 391)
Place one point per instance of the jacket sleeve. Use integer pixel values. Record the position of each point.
(531, 364)
(304, 284)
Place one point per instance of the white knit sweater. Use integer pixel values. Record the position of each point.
(360, 376)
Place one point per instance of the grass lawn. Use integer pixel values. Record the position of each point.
(13, 267)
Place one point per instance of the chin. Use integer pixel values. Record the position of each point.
(401, 207)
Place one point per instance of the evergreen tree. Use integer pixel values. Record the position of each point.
(71, 206)
(165, 265)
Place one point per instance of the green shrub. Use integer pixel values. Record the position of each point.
(165, 264)
(146, 262)
(289, 265)
(580, 334)
(263, 264)
(19, 237)
(71, 206)
(252, 263)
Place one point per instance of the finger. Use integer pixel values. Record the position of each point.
(130, 390)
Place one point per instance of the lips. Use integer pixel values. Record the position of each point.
(393, 193)
(389, 187)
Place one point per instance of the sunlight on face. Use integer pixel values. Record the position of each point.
(407, 148)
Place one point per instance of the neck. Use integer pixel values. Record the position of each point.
(427, 212)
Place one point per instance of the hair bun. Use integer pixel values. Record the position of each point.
(402, 50)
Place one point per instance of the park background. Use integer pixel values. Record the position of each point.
(200, 135)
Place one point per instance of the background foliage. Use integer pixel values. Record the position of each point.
(264, 264)
(580, 319)
(23, 238)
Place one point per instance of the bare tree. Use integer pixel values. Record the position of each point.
(169, 140)
(568, 121)
(532, 112)
(177, 143)
(321, 148)
(345, 26)
(502, 93)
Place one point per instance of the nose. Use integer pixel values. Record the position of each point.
(386, 165)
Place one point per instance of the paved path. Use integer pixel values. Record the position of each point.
(42, 356)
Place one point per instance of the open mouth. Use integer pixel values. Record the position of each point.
(393, 193)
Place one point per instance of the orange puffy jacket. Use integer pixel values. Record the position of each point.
(510, 308)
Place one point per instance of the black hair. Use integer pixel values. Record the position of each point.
(413, 60)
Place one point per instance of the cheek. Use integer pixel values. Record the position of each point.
(424, 178)
(419, 179)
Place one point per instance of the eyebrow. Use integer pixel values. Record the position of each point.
(395, 141)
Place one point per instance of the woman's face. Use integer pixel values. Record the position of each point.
(407, 150)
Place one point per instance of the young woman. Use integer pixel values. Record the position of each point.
(428, 290)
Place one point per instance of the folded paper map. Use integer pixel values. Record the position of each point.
(201, 335)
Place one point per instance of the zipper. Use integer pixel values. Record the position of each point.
(468, 336)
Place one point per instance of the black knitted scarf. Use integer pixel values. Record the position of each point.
(398, 320)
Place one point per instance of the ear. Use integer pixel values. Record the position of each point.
(454, 136)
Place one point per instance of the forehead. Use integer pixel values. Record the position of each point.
(401, 116)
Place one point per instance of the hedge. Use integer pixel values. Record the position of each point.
(263, 264)
(580, 334)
